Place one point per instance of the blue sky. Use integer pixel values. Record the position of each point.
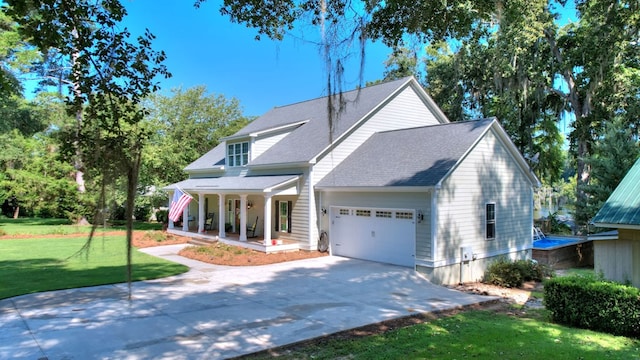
(205, 48)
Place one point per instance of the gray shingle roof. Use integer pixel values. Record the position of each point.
(214, 157)
(623, 206)
(233, 183)
(409, 157)
(311, 138)
(308, 140)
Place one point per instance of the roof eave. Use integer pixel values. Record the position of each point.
(216, 169)
(617, 226)
(374, 188)
(278, 128)
(300, 164)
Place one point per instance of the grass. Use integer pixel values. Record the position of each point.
(476, 334)
(36, 226)
(585, 272)
(34, 265)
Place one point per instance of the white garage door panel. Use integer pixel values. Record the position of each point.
(383, 235)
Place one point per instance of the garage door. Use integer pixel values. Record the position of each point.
(383, 235)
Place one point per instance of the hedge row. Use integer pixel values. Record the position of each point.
(598, 305)
(506, 273)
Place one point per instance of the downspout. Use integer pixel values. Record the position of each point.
(313, 214)
(434, 222)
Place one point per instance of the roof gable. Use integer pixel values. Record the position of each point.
(410, 157)
(307, 141)
(310, 135)
(623, 206)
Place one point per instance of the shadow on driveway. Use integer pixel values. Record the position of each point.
(216, 311)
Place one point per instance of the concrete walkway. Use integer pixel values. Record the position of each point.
(215, 311)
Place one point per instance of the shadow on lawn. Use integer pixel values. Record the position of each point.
(18, 277)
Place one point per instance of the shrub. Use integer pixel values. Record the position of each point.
(162, 216)
(589, 303)
(506, 273)
(533, 270)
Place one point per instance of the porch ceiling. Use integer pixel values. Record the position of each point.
(238, 184)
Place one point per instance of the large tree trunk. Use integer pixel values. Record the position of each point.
(132, 185)
(78, 164)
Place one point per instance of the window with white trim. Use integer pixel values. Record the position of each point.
(238, 154)
(283, 216)
(490, 221)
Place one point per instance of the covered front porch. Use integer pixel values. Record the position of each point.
(257, 243)
(252, 212)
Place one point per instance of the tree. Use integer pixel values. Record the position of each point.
(109, 77)
(35, 181)
(612, 157)
(15, 57)
(185, 126)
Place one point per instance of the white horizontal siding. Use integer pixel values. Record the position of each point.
(262, 143)
(406, 110)
(386, 200)
(488, 174)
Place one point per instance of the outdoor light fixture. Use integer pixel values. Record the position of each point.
(420, 216)
(324, 211)
(249, 204)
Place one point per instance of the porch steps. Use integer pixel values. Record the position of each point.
(201, 242)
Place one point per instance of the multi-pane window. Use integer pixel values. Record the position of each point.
(238, 154)
(490, 220)
(283, 216)
(366, 213)
(383, 214)
(404, 215)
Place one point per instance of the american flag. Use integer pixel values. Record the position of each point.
(178, 203)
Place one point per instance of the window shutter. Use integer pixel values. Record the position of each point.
(277, 215)
(290, 206)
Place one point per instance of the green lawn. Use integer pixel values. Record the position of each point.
(474, 334)
(36, 226)
(34, 265)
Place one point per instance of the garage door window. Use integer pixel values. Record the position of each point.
(383, 214)
(404, 215)
(366, 213)
(490, 213)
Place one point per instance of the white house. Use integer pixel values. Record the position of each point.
(388, 179)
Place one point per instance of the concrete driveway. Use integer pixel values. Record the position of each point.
(215, 311)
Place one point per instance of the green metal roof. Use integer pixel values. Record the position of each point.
(623, 206)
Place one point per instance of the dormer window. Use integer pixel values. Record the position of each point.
(238, 154)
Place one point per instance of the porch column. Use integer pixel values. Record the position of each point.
(243, 217)
(221, 216)
(267, 220)
(171, 224)
(185, 219)
(201, 214)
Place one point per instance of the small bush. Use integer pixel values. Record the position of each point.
(503, 273)
(2, 232)
(162, 216)
(506, 273)
(590, 303)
